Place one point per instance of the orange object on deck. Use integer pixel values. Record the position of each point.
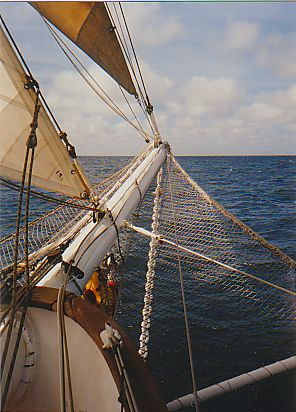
(93, 285)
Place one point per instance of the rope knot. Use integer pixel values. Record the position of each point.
(69, 146)
(149, 108)
(31, 83)
(32, 139)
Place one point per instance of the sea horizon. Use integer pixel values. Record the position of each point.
(200, 155)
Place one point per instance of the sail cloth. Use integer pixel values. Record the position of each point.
(88, 25)
(54, 169)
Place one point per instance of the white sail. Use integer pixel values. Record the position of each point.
(54, 169)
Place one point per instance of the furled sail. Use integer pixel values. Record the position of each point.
(53, 169)
(88, 25)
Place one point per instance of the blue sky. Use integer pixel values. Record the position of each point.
(222, 78)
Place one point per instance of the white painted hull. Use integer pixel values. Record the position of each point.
(102, 379)
(91, 378)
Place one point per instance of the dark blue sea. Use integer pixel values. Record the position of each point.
(261, 191)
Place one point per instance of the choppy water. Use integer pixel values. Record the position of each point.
(261, 191)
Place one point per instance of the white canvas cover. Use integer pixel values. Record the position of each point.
(54, 169)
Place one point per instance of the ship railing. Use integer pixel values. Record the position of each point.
(232, 384)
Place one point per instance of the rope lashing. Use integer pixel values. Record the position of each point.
(148, 297)
(31, 83)
(140, 192)
(32, 140)
(69, 146)
(149, 108)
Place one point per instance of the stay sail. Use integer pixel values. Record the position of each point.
(54, 168)
(88, 25)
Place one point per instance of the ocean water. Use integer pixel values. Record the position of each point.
(261, 191)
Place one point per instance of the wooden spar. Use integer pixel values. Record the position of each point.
(234, 383)
(95, 239)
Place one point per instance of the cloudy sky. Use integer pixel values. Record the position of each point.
(221, 77)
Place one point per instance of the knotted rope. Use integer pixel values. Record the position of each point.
(147, 309)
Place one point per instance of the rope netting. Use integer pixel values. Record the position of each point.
(230, 274)
(60, 222)
(206, 228)
(218, 249)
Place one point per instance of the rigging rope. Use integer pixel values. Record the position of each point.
(109, 103)
(45, 197)
(122, 40)
(15, 274)
(141, 100)
(64, 361)
(31, 144)
(291, 262)
(131, 109)
(194, 388)
(29, 73)
(117, 234)
(127, 245)
(149, 108)
(161, 239)
(135, 56)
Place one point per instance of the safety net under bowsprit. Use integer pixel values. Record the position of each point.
(239, 290)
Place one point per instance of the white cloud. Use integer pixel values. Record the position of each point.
(262, 112)
(85, 117)
(198, 110)
(265, 124)
(211, 96)
(150, 27)
(278, 54)
(206, 116)
(240, 35)
(158, 87)
(278, 107)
